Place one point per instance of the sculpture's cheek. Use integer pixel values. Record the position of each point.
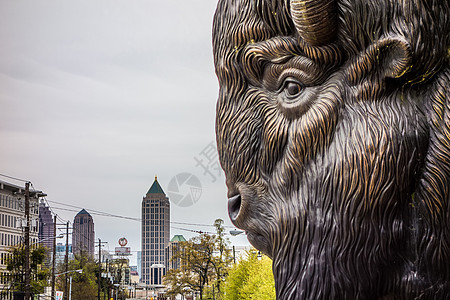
(260, 243)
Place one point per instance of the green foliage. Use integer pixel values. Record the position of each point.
(16, 266)
(205, 261)
(251, 278)
(221, 262)
(84, 285)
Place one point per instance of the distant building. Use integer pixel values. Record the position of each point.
(46, 230)
(12, 225)
(134, 277)
(139, 263)
(83, 235)
(171, 250)
(155, 234)
(61, 253)
(119, 271)
(106, 256)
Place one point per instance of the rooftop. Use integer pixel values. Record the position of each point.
(83, 212)
(155, 188)
(178, 238)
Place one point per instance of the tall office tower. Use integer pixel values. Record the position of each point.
(155, 234)
(45, 233)
(46, 230)
(83, 235)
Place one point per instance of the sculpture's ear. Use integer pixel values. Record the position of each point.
(386, 58)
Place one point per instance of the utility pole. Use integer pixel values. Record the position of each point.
(99, 266)
(54, 257)
(27, 241)
(66, 262)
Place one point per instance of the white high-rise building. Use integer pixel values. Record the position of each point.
(155, 234)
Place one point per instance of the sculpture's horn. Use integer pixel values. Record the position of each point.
(315, 20)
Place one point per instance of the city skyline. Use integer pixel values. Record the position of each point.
(102, 96)
(180, 228)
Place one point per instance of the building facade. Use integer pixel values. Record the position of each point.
(61, 253)
(83, 234)
(155, 234)
(171, 250)
(46, 229)
(12, 225)
(139, 262)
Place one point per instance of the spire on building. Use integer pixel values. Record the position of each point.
(156, 188)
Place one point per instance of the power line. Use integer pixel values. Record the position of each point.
(100, 214)
(135, 219)
(97, 212)
(191, 230)
(195, 224)
(66, 221)
(105, 214)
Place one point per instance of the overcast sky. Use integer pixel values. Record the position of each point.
(98, 97)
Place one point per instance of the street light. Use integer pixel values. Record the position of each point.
(236, 232)
(48, 238)
(70, 280)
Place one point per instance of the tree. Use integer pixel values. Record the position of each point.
(15, 265)
(222, 261)
(84, 285)
(251, 278)
(204, 265)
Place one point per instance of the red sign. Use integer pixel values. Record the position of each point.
(123, 242)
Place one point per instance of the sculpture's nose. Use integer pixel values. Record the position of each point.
(234, 206)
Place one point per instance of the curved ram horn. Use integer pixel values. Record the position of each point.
(315, 20)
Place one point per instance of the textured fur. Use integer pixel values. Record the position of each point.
(346, 186)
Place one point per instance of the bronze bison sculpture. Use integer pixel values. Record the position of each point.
(333, 129)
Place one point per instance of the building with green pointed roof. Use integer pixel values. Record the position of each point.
(171, 250)
(155, 234)
(156, 188)
(178, 238)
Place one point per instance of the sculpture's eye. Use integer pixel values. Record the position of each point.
(295, 93)
(292, 89)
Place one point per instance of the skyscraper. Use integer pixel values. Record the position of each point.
(83, 235)
(45, 233)
(46, 230)
(155, 234)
